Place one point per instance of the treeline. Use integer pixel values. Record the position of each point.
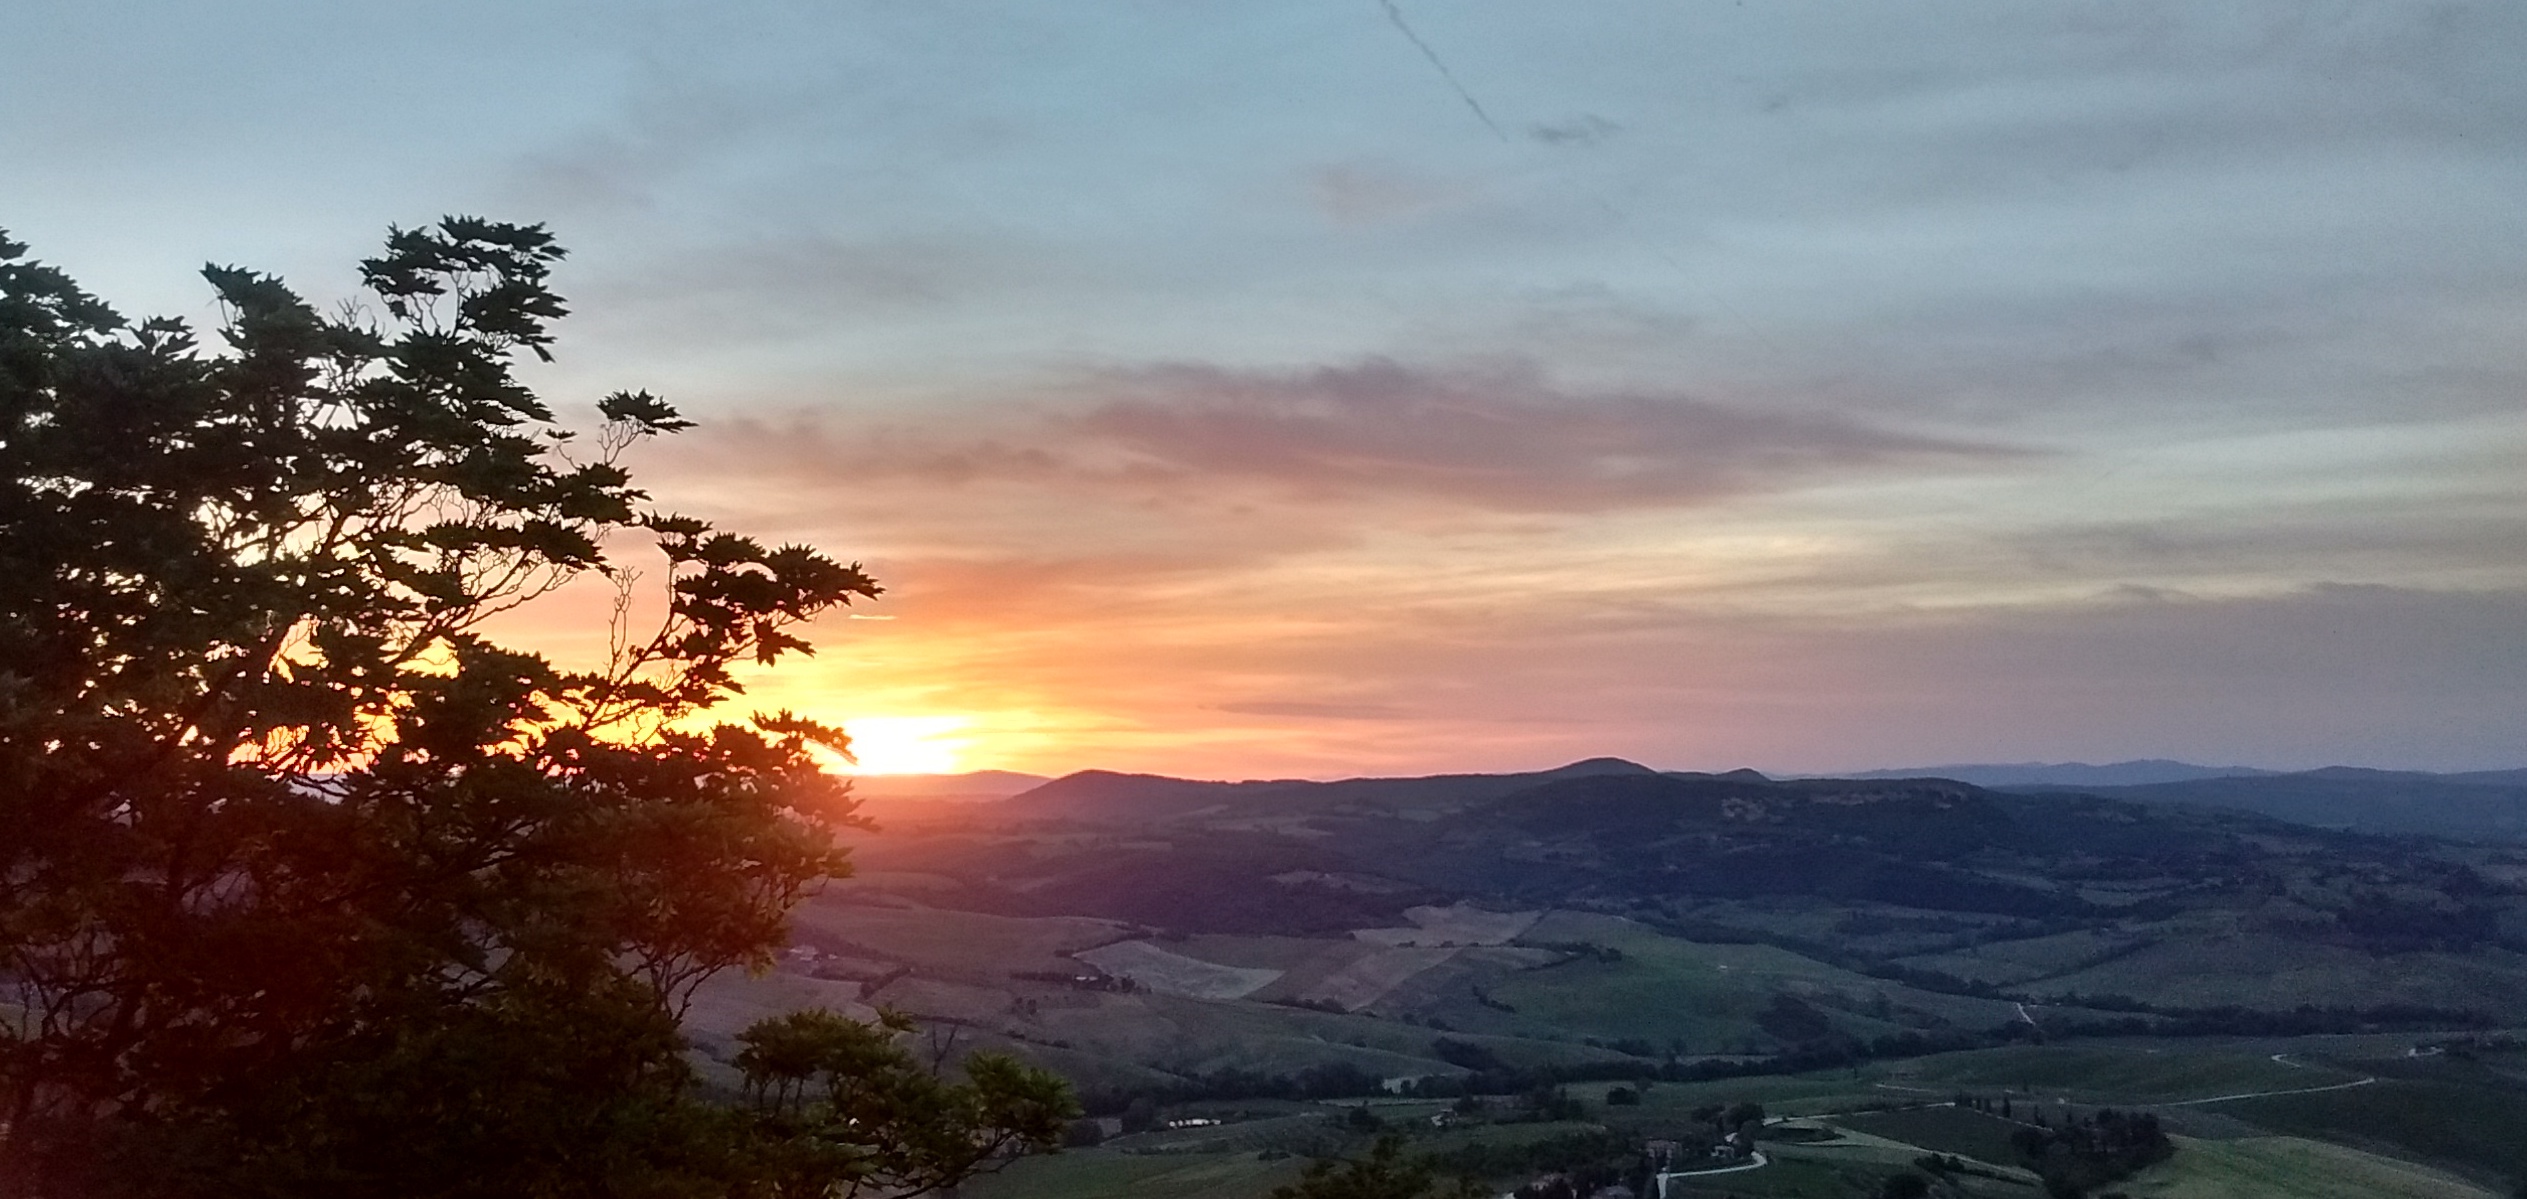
(2143, 1018)
(1115, 984)
(2081, 1153)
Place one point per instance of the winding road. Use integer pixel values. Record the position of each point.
(1754, 1161)
(2283, 1059)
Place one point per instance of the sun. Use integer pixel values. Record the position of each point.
(904, 744)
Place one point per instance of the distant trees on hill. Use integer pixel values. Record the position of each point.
(2084, 1152)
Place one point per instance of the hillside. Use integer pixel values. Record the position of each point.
(2138, 772)
(1291, 940)
(2487, 805)
(1567, 907)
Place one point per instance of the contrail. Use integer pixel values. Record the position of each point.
(1396, 15)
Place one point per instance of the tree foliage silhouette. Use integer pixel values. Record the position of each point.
(309, 885)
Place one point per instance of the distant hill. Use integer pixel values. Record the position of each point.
(980, 784)
(2136, 773)
(1870, 873)
(2477, 805)
(1107, 795)
(2486, 805)
(1191, 938)
(1606, 832)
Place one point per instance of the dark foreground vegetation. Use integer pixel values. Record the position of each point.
(308, 886)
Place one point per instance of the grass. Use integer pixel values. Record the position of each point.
(1794, 1178)
(1702, 994)
(2112, 1073)
(1822, 1173)
(2030, 958)
(1961, 1131)
(2288, 1168)
(1804, 1094)
(1662, 990)
(2258, 970)
(2480, 1129)
(1106, 1174)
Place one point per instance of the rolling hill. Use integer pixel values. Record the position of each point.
(1281, 941)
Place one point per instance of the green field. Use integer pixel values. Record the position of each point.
(1793, 1178)
(1109, 1174)
(1541, 1002)
(2289, 1168)
(2029, 958)
(2259, 970)
(2481, 1129)
(1781, 1095)
(2113, 1073)
(2367, 1142)
(1705, 996)
(1961, 1131)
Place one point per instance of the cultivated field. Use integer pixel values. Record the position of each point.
(1457, 925)
(1367, 979)
(971, 945)
(1170, 973)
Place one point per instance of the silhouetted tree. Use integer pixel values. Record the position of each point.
(307, 884)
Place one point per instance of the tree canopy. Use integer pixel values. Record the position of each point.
(309, 884)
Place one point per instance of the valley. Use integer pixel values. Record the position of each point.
(2292, 1001)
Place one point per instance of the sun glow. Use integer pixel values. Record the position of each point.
(905, 744)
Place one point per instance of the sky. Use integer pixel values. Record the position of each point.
(1333, 387)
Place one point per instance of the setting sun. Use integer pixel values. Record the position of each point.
(905, 744)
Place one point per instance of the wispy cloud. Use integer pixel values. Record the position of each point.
(1776, 383)
(1500, 438)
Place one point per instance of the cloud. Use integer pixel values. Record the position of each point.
(1500, 438)
(1491, 438)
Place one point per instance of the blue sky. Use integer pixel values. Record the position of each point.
(1317, 387)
